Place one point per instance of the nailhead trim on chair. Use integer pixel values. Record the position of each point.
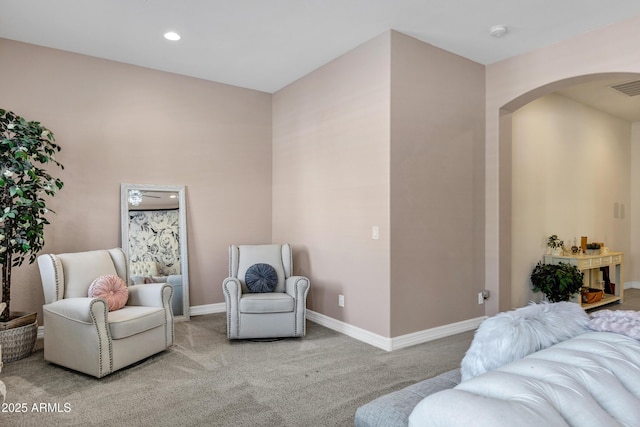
(298, 297)
(228, 295)
(295, 309)
(55, 274)
(95, 322)
(168, 316)
(126, 267)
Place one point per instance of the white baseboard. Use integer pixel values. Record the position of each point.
(350, 330)
(632, 285)
(199, 310)
(388, 344)
(402, 341)
(438, 332)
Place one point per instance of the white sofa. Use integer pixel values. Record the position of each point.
(589, 380)
(528, 368)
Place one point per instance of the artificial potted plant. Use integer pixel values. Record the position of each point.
(555, 244)
(25, 148)
(558, 282)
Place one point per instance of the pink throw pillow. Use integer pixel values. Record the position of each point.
(111, 288)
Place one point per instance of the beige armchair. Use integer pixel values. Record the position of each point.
(280, 313)
(80, 332)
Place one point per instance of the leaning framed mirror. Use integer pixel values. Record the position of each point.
(154, 237)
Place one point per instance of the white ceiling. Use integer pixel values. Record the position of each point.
(267, 44)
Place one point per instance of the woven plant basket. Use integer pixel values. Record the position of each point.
(18, 343)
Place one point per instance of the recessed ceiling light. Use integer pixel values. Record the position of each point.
(498, 30)
(172, 36)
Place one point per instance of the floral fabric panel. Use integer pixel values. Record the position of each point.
(154, 236)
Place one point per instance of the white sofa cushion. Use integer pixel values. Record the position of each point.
(275, 302)
(591, 380)
(131, 320)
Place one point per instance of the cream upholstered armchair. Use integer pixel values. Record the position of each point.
(80, 332)
(264, 302)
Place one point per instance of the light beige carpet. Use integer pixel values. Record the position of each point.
(205, 380)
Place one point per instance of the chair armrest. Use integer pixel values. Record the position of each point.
(232, 287)
(232, 290)
(150, 295)
(84, 310)
(297, 287)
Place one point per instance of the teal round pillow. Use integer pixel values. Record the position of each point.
(261, 278)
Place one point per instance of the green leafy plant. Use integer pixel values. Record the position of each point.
(557, 281)
(25, 148)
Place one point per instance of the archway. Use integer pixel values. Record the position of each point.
(507, 297)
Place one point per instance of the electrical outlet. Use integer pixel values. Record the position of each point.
(480, 298)
(341, 300)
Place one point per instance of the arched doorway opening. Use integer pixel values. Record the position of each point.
(514, 260)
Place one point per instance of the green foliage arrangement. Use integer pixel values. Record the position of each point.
(25, 147)
(557, 281)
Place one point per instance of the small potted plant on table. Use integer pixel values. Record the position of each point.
(555, 244)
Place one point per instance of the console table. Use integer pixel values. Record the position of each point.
(590, 266)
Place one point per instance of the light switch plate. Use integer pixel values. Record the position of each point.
(375, 232)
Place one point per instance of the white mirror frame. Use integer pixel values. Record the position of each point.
(124, 227)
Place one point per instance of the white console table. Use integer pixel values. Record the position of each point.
(590, 266)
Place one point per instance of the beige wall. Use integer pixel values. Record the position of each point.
(570, 166)
(120, 123)
(331, 183)
(511, 84)
(437, 186)
(360, 142)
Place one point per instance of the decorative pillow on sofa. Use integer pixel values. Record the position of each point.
(261, 278)
(111, 288)
(515, 334)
